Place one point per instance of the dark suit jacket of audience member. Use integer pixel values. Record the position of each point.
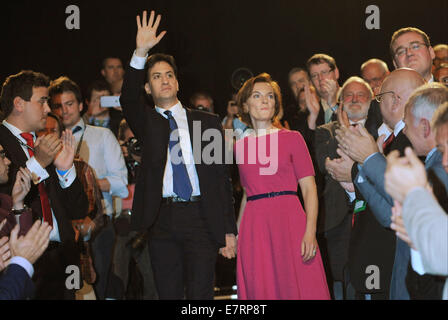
(15, 284)
(67, 204)
(153, 130)
(380, 204)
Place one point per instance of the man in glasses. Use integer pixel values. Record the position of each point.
(324, 75)
(410, 47)
(368, 173)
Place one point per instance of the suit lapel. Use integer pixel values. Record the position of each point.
(13, 149)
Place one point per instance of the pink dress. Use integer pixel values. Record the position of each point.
(269, 262)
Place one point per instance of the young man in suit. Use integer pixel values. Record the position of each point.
(56, 195)
(185, 204)
(368, 172)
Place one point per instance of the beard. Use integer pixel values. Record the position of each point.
(357, 114)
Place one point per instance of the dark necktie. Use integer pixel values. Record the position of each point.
(76, 129)
(388, 141)
(44, 202)
(181, 182)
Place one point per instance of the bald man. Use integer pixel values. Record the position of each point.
(368, 173)
(374, 71)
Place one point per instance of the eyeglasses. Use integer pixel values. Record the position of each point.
(379, 97)
(414, 46)
(3, 154)
(323, 73)
(360, 96)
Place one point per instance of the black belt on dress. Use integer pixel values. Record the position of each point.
(170, 200)
(270, 195)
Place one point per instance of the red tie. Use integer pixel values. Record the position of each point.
(388, 141)
(45, 204)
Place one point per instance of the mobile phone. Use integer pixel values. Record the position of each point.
(110, 101)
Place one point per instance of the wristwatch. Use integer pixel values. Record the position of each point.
(19, 211)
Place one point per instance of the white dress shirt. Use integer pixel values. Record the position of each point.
(180, 115)
(65, 181)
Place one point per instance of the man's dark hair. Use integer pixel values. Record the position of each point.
(97, 85)
(402, 31)
(319, 58)
(159, 57)
(20, 85)
(295, 70)
(103, 64)
(64, 84)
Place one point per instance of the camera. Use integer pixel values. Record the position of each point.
(133, 158)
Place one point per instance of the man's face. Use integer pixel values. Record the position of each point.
(113, 70)
(204, 102)
(94, 105)
(52, 126)
(356, 98)
(374, 75)
(411, 52)
(35, 111)
(320, 73)
(442, 76)
(162, 85)
(441, 56)
(414, 132)
(67, 107)
(442, 144)
(297, 81)
(392, 104)
(4, 166)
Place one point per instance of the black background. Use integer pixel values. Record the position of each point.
(209, 39)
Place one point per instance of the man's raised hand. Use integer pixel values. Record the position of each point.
(146, 33)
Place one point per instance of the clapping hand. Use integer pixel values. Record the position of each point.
(146, 33)
(64, 160)
(21, 187)
(46, 148)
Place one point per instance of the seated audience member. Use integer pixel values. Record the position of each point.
(56, 196)
(96, 115)
(441, 74)
(368, 173)
(100, 149)
(201, 100)
(417, 216)
(113, 73)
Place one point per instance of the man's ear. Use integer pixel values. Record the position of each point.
(103, 72)
(395, 64)
(336, 73)
(18, 104)
(81, 107)
(426, 127)
(147, 88)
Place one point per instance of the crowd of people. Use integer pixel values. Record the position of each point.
(350, 204)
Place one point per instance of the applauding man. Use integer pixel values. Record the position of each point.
(56, 195)
(185, 204)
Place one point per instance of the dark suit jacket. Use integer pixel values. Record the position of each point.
(67, 204)
(15, 284)
(380, 204)
(153, 130)
(335, 204)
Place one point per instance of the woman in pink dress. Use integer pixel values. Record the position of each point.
(278, 256)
